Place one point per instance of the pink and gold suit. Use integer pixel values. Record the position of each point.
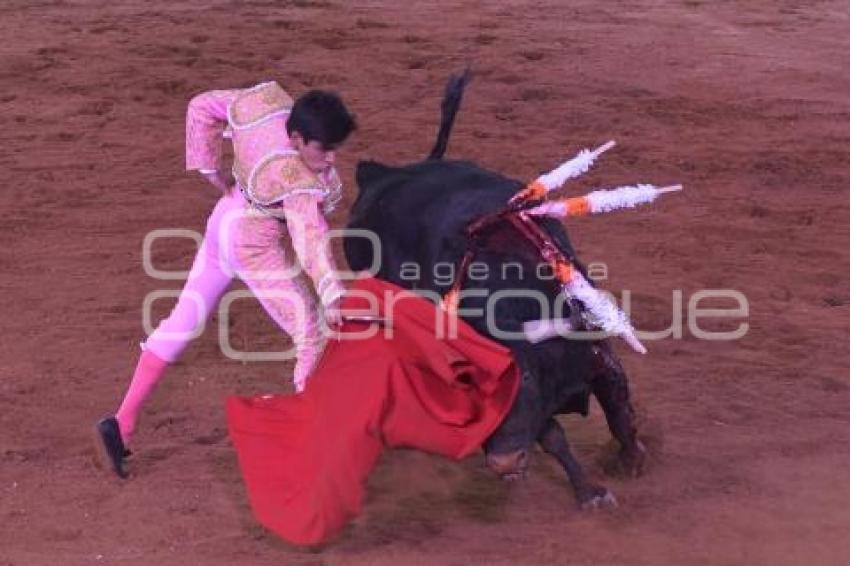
(268, 231)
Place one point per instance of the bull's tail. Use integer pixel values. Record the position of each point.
(450, 106)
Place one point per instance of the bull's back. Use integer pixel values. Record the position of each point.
(423, 210)
(420, 213)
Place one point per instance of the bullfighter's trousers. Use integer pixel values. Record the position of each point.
(242, 242)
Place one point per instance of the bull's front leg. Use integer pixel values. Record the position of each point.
(610, 386)
(589, 495)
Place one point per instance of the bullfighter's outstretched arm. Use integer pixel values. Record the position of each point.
(308, 230)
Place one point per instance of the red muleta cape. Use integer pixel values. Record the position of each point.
(305, 458)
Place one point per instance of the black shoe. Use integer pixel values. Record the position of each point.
(110, 445)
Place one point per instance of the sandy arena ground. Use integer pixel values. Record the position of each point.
(744, 102)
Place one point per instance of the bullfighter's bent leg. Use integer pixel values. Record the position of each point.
(269, 269)
(588, 495)
(611, 388)
(292, 305)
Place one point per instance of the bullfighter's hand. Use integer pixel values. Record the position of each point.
(333, 313)
(222, 180)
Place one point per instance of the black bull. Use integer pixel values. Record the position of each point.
(420, 213)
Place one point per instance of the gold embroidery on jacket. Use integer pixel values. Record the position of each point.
(255, 104)
(281, 176)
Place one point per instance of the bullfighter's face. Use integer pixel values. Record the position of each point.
(317, 157)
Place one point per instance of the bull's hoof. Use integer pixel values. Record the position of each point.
(624, 462)
(632, 462)
(594, 497)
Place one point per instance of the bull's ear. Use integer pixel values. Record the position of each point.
(370, 173)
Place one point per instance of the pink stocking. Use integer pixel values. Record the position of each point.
(148, 372)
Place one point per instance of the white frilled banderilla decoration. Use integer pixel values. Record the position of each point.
(599, 310)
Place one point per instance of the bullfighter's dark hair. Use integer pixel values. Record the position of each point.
(322, 116)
